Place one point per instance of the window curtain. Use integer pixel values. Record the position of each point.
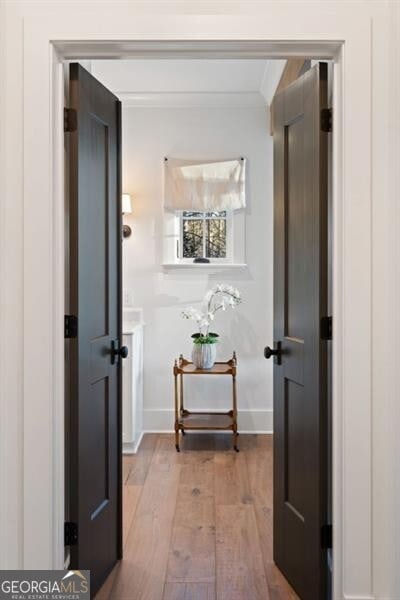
(195, 185)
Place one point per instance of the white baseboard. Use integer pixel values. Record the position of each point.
(132, 447)
(347, 597)
(159, 420)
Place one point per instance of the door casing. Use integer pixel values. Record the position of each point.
(161, 51)
(43, 178)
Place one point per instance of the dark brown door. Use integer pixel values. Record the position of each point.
(300, 303)
(95, 298)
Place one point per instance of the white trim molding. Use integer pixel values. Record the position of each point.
(132, 447)
(203, 266)
(349, 597)
(190, 99)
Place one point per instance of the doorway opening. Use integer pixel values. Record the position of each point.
(159, 280)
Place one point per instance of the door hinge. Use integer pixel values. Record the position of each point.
(70, 120)
(326, 536)
(326, 328)
(70, 326)
(326, 119)
(70, 533)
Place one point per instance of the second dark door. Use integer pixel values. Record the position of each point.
(300, 305)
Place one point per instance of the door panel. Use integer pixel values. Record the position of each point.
(300, 301)
(95, 259)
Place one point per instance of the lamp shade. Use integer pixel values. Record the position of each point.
(126, 204)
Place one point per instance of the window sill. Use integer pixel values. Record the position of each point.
(204, 265)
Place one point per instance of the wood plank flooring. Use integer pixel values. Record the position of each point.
(198, 524)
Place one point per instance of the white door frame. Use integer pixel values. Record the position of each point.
(72, 32)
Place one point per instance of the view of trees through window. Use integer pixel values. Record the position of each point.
(204, 234)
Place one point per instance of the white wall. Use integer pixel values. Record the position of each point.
(149, 134)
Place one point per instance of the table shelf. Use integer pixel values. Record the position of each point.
(206, 420)
(186, 367)
(209, 421)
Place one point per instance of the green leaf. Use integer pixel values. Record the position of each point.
(204, 339)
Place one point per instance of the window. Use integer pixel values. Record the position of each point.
(205, 235)
(204, 212)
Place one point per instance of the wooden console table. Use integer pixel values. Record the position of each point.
(185, 420)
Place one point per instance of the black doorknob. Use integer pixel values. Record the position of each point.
(123, 352)
(277, 352)
(116, 350)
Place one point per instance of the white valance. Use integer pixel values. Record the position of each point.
(204, 185)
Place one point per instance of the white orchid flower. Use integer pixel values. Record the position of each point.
(219, 297)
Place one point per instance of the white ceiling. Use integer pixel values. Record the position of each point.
(168, 76)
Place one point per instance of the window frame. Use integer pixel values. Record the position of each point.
(229, 235)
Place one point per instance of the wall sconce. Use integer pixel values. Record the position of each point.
(126, 210)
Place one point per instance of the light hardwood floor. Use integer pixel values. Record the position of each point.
(198, 524)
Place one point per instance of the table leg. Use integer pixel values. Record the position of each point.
(181, 398)
(235, 431)
(176, 414)
(235, 434)
(181, 392)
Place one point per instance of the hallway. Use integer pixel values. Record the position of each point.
(198, 525)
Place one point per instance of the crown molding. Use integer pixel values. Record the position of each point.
(190, 99)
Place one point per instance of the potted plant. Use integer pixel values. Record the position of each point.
(220, 297)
